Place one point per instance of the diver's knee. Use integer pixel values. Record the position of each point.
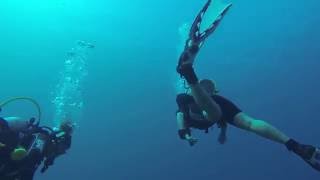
(245, 122)
(249, 124)
(258, 126)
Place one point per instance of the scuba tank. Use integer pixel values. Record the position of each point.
(12, 130)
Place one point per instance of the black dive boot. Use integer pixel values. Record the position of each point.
(308, 153)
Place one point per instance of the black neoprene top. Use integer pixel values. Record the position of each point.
(193, 113)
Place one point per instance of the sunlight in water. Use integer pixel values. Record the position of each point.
(35, 4)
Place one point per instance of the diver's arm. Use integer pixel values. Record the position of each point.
(182, 101)
(223, 135)
(184, 131)
(205, 102)
(180, 121)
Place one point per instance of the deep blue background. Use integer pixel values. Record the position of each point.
(265, 57)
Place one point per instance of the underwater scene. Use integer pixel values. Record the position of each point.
(114, 89)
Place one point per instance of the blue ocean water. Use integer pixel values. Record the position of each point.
(264, 57)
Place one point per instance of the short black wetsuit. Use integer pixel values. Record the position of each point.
(193, 114)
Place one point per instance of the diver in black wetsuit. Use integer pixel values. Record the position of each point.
(24, 146)
(190, 115)
(203, 107)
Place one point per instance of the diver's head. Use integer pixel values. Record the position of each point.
(209, 86)
(67, 126)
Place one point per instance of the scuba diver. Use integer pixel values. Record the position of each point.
(203, 107)
(24, 145)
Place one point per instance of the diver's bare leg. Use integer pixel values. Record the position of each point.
(260, 128)
(308, 153)
(192, 46)
(205, 102)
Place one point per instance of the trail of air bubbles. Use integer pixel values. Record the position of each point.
(183, 36)
(67, 96)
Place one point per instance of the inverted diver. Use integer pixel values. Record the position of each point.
(203, 107)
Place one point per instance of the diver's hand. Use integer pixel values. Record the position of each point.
(192, 141)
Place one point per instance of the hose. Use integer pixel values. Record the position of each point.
(34, 102)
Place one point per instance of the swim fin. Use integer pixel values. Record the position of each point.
(314, 161)
(309, 154)
(196, 37)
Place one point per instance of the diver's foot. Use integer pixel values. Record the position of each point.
(187, 57)
(194, 48)
(308, 153)
(305, 151)
(187, 72)
(184, 68)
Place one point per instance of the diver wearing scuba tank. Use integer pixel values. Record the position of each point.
(202, 107)
(32, 146)
(24, 145)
